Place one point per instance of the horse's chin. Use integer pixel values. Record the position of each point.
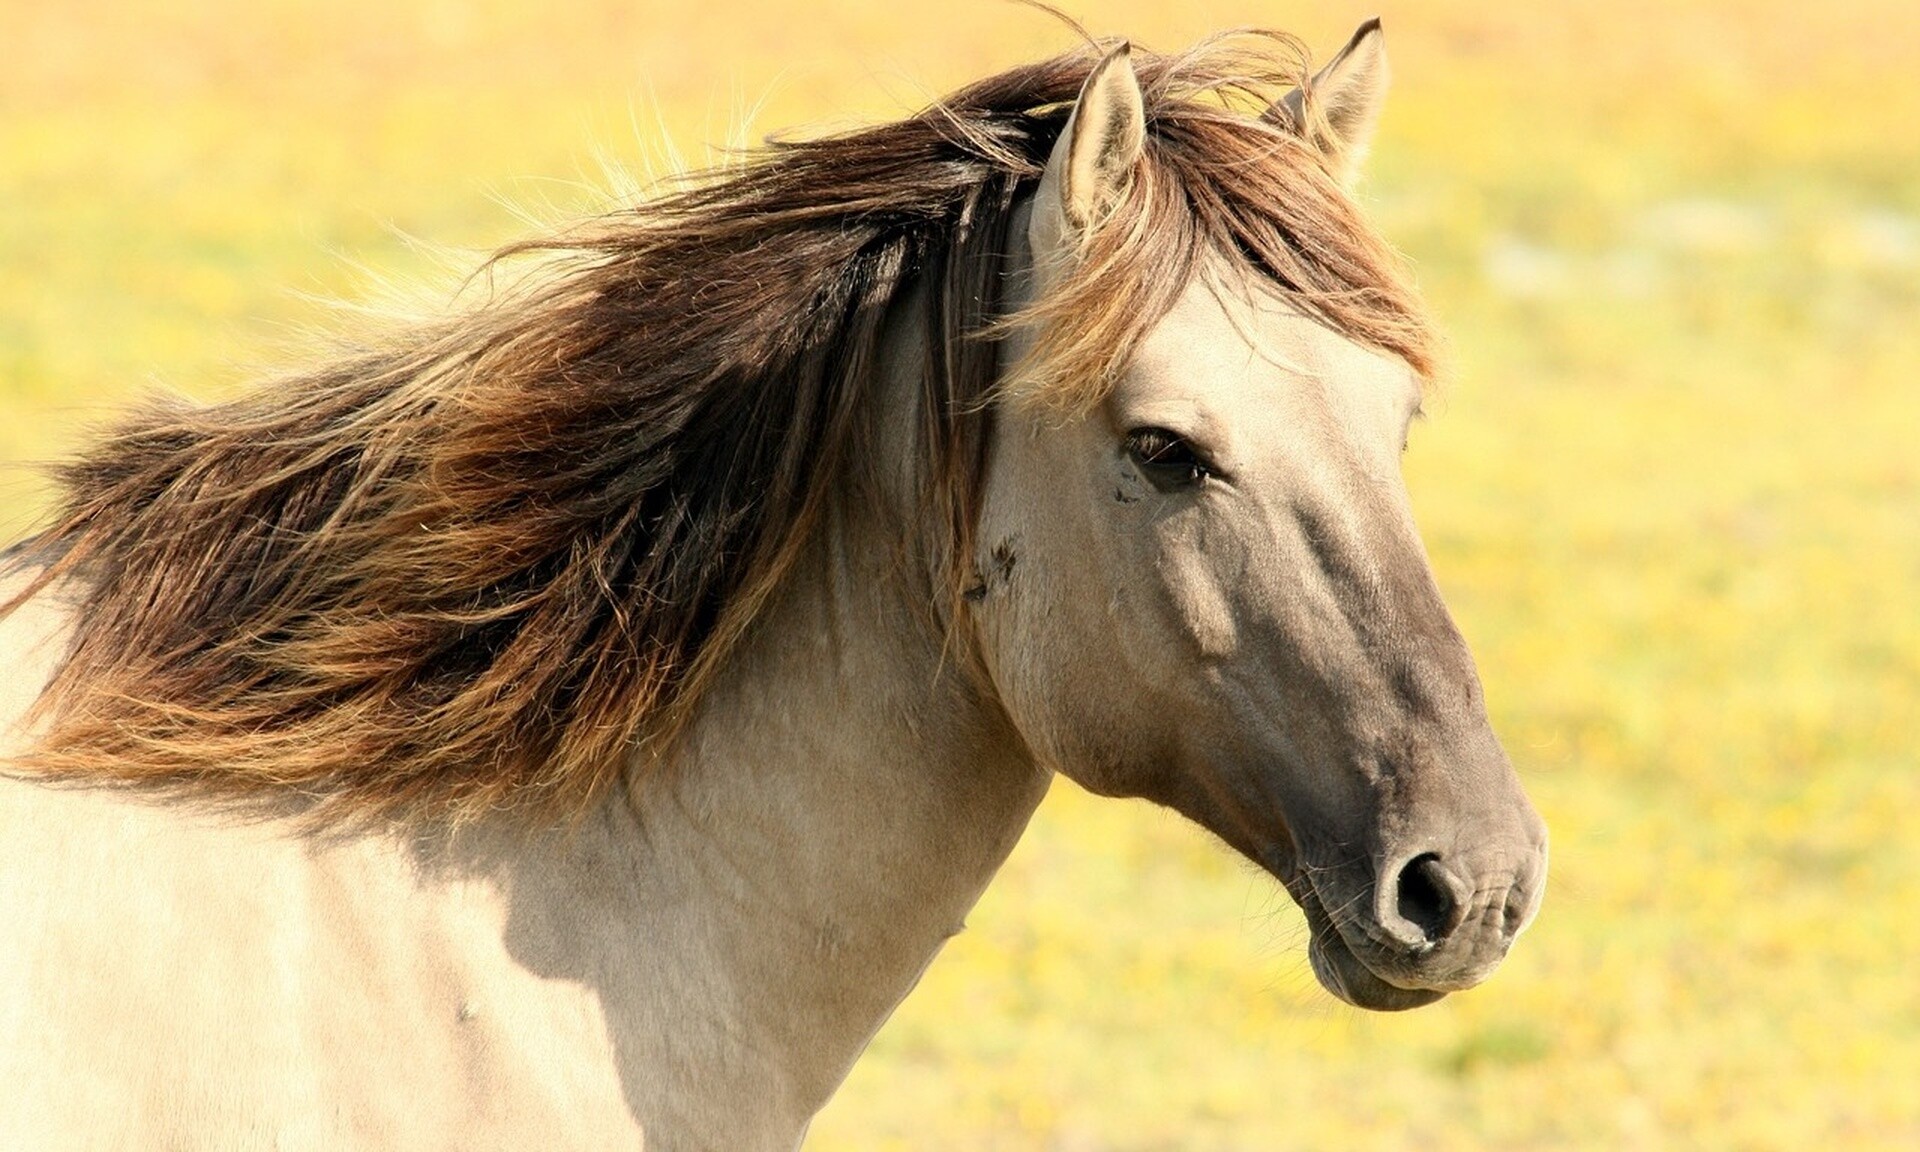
(1339, 969)
(1343, 974)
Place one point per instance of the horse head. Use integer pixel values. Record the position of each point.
(1206, 588)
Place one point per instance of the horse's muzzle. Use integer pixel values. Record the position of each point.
(1423, 924)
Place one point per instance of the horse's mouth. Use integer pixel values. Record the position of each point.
(1342, 974)
(1341, 971)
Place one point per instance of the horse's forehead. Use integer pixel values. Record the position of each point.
(1236, 349)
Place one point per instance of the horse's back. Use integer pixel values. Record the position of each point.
(173, 977)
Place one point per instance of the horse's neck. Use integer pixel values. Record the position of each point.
(742, 919)
(842, 799)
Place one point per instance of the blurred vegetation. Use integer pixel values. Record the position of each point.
(1672, 496)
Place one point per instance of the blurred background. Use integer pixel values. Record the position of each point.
(1673, 496)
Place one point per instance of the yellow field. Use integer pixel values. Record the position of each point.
(1673, 496)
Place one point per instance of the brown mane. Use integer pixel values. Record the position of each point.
(478, 564)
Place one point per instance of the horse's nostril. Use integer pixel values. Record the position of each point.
(1425, 897)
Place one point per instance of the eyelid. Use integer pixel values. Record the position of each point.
(1169, 438)
(1182, 417)
(1178, 453)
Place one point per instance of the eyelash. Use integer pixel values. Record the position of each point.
(1168, 460)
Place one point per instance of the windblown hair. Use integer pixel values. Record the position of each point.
(493, 560)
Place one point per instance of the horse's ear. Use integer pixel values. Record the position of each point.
(1093, 160)
(1339, 106)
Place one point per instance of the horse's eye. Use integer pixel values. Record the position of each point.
(1167, 460)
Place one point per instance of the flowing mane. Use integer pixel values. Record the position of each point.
(487, 561)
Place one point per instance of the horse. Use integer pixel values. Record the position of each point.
(579, 719)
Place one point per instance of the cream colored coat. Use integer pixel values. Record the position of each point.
(698, 963)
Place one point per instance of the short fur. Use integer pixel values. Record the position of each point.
(479, 564)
